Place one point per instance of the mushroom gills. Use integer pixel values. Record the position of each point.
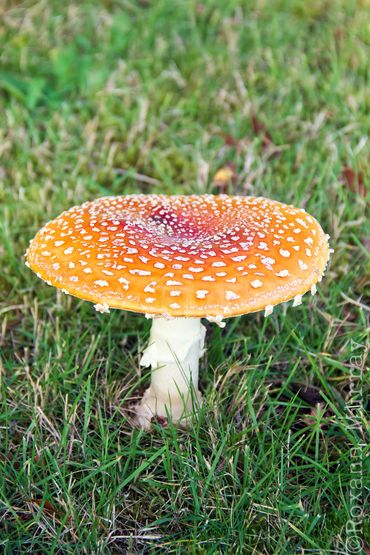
(173, 352)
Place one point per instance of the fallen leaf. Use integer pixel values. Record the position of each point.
(9, 458)
(306, 416)
(259, 128)
(23, 515)
(314, 414)
(339, 36)
(339, 33)
(354, 181)
(225, 176)
(229, 139)
(40, 459)
(46, 506)
(308, 393)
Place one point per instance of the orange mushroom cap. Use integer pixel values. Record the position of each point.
(182, 256)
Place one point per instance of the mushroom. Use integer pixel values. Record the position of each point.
(178, 259)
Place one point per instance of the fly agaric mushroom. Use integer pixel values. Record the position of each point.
(178, 259)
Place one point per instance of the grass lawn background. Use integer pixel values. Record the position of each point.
(121, 96)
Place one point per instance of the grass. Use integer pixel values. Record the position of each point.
(116, 96)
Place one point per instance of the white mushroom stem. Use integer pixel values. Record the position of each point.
(174, 349)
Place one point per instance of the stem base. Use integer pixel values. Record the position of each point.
(174, 349)
(179, 409)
